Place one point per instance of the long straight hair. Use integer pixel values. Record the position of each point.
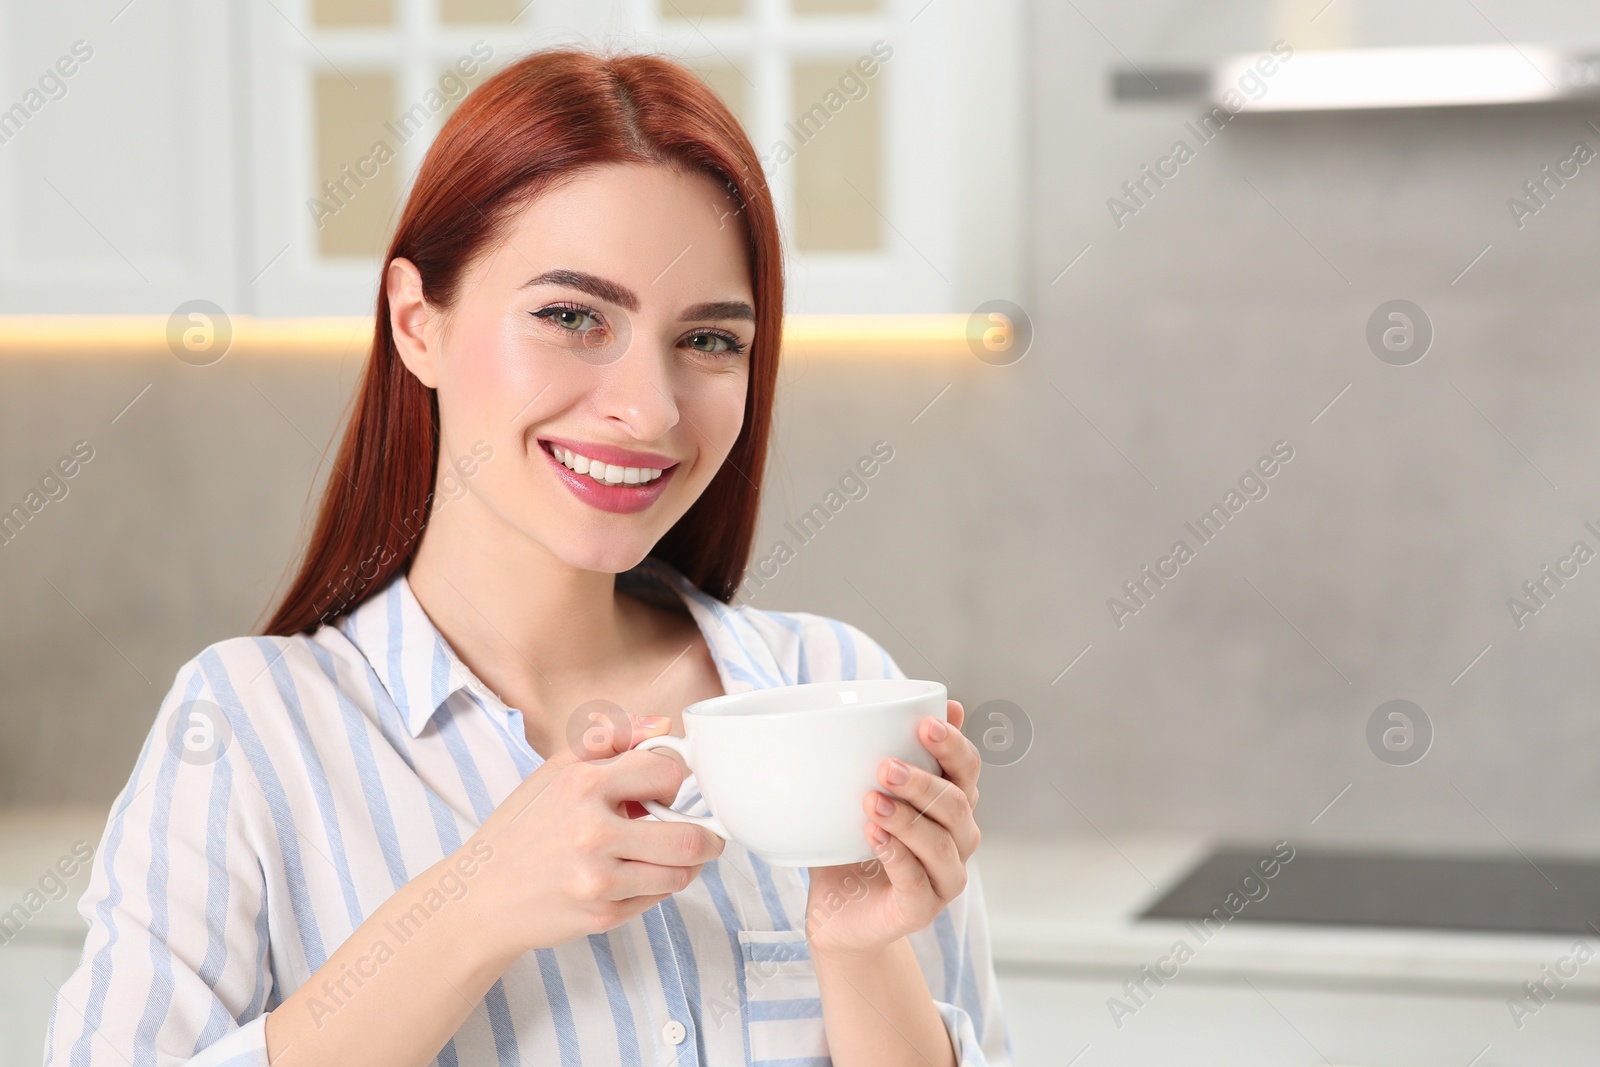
(546, 116)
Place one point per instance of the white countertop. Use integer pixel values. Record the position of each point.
(1070, 905)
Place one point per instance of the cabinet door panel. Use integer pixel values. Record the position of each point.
(116, 157)
(1205, 1024)
(31, 968)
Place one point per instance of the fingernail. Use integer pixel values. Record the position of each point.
(878, 836)
(654, 722)
(938, 730)
(884, 806)
(897, 773)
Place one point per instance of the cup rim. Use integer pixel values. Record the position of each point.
(706, 709)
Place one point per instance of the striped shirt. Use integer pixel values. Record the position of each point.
(325, 771)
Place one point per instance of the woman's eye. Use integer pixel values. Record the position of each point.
(574, 319)
(713, 343)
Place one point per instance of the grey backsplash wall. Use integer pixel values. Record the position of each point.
(1225, 316)
(1221, 319)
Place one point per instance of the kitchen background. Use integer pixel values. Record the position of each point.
(1182, 328)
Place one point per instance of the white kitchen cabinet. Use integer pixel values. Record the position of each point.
(30, 972)
(41, 933)
(118, 181)
(1064, 922)
(1055, 1018)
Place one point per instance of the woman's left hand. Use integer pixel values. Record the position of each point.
(857, 908)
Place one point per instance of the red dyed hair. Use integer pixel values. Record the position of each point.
(549, 114)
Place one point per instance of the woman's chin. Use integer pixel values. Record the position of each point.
(614, 558)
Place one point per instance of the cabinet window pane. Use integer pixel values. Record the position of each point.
(501, 12)
(356, 185)
(352, 12)
(729, 84)
(835, 7)
(838, 146)
(698, 9)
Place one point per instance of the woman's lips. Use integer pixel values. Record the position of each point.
(619, 499)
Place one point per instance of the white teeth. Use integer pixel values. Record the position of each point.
(604, 473)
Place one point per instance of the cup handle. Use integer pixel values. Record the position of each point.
(660, 810)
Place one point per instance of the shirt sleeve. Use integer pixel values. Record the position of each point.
(954, 951)
(174, 967)
(961, 975)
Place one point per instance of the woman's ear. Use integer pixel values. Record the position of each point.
(410, 318)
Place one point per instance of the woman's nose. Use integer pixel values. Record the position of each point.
(636, 391)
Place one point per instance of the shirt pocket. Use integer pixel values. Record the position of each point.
(783, 1003)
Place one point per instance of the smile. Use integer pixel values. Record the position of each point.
(618, 488)
(604, 473)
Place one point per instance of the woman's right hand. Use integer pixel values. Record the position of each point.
(569, 859)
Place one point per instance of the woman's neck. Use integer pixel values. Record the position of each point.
(542, 634)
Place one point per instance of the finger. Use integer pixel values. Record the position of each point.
(906, 872)
(955, 713)
(632, 907)
(943, 863)
(939, 799)
(677, 759)
(599, 748)
(604, 733)
(958, 757)
(666, 844)
(636, 905)
(612, 738)
(638, 878)
(643, 728)
(647, 726)
(636, 775)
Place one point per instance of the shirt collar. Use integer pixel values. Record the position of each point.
(421, 671)
(407, 653)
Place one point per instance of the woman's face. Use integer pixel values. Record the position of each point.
(609, 332)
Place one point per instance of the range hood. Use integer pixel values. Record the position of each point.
(1286, 79)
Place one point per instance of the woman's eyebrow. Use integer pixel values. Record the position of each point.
(719, 309)
(595, 286)
(624, 297)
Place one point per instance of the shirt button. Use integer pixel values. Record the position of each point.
(673, 1032)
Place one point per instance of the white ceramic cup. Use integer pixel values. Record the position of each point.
(785, 771)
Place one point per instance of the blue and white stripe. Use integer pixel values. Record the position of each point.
(359, 757)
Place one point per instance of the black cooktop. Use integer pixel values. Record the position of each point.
(1500, 893)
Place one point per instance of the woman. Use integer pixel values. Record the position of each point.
(403, 827)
